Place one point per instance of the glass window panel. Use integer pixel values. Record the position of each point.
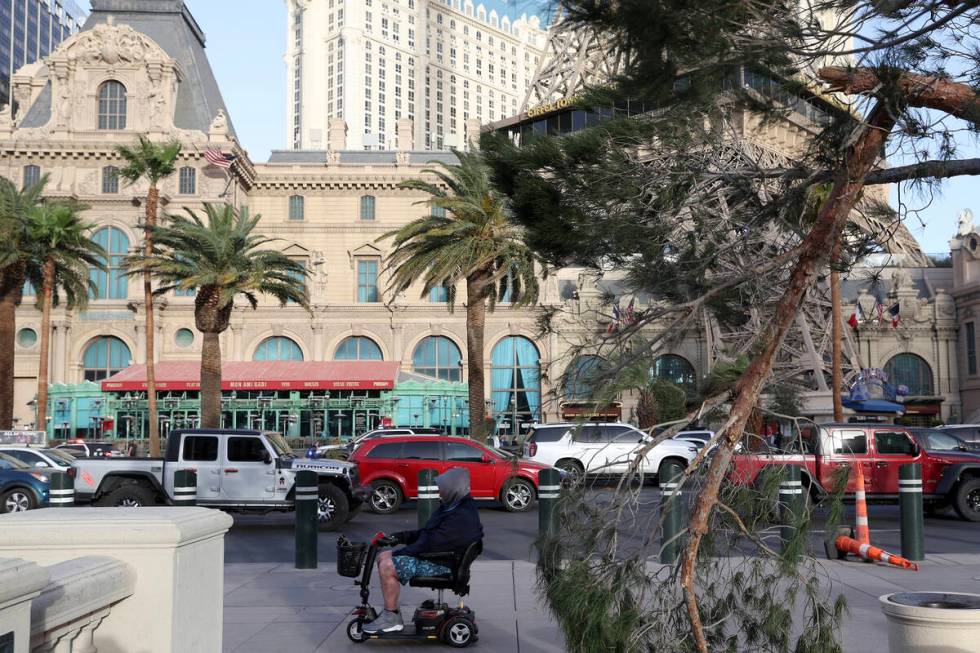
(296, 207)
(358, 348)
(112, 105)
(367, 207)
(367, 282)
(911, 371)
(278, 348)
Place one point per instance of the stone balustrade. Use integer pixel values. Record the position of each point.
(117, 580)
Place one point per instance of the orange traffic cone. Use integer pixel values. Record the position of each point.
(861, 509)
(872, 553)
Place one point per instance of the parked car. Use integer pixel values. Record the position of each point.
(390, 466)
(87, 449)
(698, 438)
(348, 448)
(21, 487)
(969, 433)
(939, 440)
(38, 458)
(238, 470)
(591, 449)
(948, 477)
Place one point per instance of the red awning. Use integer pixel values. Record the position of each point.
(264, 375)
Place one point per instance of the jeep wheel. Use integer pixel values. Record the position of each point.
(386, 497)
(967, 499)
(17, 500)
(331, 507)
(129, 495)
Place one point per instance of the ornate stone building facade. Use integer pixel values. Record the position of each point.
(139, 67)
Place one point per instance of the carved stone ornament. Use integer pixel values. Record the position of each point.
(901, 280)
(112, 45)
(6, 118)
(220, 123)
(965, 223)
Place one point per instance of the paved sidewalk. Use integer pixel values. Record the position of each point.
(273, 607)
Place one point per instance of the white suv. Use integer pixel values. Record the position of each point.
(604, 448)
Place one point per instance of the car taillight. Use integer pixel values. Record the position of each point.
(532, 449)
(72, 472)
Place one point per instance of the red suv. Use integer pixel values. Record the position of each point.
(390, 467)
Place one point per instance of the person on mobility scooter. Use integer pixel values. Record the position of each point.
(452, 536)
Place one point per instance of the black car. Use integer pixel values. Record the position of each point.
(969, 433)
(941, 440)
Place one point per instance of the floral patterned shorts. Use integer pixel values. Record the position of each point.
(408, 567)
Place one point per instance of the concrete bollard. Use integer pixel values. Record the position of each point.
(185, 487)
(910, 506)
(428, 499)
(61, 490)
(307, 492)
(791, 502)
(671, 511)
(549, 490)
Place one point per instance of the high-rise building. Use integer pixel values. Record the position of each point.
(29, 30)
(374, 62)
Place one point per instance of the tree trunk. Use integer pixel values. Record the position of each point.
(647, 413)
(814, 254)
(47, 293)
(835, 342)
(152, 197)
(211, 381)
(476, 319)
(11, 289)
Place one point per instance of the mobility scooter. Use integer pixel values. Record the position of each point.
(433, 620)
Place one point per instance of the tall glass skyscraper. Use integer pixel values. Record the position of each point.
(29, 30)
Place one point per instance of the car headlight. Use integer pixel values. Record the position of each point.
(41, 477)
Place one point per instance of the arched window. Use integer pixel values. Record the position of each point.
(912, 371)
(188, 181)
(110, 179)
(438, 357)
(112, 105)
(677, 370)
(105, 356)
(358, 348)
(277, 348)
(516, 381)
(295, 207)
(111, 283)
(578, 378)
(367, 207)
(32, 175)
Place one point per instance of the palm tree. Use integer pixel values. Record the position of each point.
(63, 254)
(219, 257)
(471, 237)
(153, 162)
(15, 252)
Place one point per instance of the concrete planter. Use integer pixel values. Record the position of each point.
(932, 622)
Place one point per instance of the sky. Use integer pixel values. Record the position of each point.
(246, 40)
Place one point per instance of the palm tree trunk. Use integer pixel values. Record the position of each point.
(47, 292)
(211, 381)
(476, 320)
(151, 375)
(11, 288)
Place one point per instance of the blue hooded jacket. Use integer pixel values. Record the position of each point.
(453, 527)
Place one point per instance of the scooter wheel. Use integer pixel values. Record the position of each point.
(458, 632)
(355, 630)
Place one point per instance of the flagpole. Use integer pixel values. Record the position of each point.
(835, 379)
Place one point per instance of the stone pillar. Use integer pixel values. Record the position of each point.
(336, 134)
(236, 342)
(397, 342)
(406, 137)
(59, 359)
(140, 328)
(473, 134)
(177, 554)
(317, 342)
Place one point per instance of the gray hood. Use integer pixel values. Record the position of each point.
(453, 484)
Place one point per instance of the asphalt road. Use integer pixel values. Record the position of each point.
(510, 536)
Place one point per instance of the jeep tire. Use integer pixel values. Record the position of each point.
(966, 499)
(332, 507)
(129, 495)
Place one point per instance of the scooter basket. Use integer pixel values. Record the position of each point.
(350, 557)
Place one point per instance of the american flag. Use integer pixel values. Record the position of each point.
(216, 157)
(630, 314)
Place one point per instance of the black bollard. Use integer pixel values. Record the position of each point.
(910, 506)
(671, 510)
(307, 493)
(185, 487)
(549, 489)
(428, 499)
(791, 502)
(61, 490)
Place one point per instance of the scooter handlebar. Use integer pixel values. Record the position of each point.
(380, 539)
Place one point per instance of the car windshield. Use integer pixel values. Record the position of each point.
(9, 462)
(279, 445)
(60, 455)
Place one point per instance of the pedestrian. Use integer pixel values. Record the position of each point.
(453, 527)
(131, 451)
